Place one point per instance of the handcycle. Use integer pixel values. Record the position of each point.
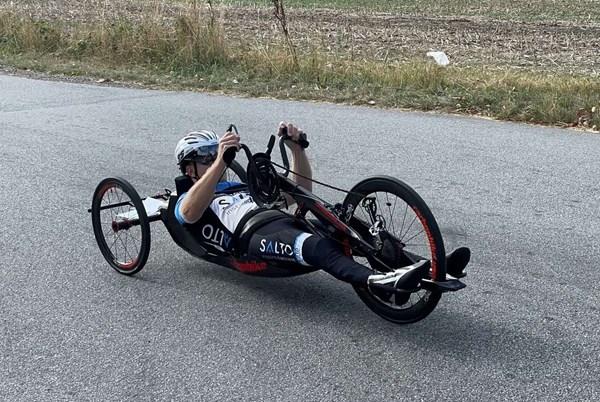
(378, 216)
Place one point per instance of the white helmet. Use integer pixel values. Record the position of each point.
(197, 144)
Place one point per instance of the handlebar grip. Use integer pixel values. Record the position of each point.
(229, 155)
(302, 141)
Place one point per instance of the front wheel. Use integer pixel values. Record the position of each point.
(391, 215)
(235, 172)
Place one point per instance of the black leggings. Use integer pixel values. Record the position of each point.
(282, 241)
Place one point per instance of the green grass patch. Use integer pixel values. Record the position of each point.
(192, 53)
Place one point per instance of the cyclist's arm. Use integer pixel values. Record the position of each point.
(300, 163)
(202, 192)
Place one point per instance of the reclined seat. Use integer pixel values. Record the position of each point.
(182, 237)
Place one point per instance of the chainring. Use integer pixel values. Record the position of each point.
(264, 185)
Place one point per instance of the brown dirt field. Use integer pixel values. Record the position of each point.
(532, 46)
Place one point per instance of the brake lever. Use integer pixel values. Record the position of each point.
(270, 145)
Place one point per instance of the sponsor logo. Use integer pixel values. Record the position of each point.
(229, 205)
(276, 248)
(249, 266)
(216, 236)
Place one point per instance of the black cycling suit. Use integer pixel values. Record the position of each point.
(282, 240)
(279, 241)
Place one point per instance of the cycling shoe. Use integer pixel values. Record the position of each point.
(457, 261)
(405, 279)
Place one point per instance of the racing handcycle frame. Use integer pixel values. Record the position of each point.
(361, 237)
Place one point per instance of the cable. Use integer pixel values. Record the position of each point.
(316, 181)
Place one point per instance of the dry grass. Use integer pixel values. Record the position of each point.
(190, 41)
(582, 11)
(534, 72)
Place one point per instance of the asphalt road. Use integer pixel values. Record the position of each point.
(524, 198)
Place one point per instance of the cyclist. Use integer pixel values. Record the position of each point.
(213, 209)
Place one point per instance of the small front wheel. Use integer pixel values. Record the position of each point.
(392, 216)
(121, 225)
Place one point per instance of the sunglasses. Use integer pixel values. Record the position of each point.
(205, 155)
(205, 160)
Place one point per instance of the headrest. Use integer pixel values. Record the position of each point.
(183, 184)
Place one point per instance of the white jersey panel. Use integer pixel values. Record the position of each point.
(231, 208)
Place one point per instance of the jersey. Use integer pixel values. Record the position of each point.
(231, 202)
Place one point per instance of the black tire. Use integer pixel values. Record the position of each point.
(235, 172)
(406, 203)
(113, 198)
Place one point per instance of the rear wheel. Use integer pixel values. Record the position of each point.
(384, 206)
(121, 225)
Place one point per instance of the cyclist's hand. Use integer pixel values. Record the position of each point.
(228, 140)
(293, 132)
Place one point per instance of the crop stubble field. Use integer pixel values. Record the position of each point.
(540, 36)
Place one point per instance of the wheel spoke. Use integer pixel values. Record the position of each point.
(379, 209)
(120, 197)
(114, 244)
(132, 237)
(409, 239)
(391, 217)
(107, 194)
(126, 236)
(417, 245)
(126, 251)
(403, 221)
(136, 244)
(408, 230)
(117, 236)
(105, 217)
